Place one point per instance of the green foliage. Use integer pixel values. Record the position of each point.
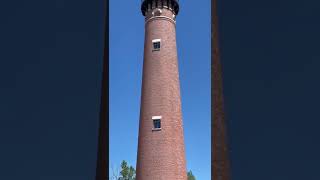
(191, 176)
(132, 173)
(127, 173)
(124, 169)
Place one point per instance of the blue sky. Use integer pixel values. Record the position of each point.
(125, 69)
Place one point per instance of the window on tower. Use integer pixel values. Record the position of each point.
(156, 123)
(156, 44)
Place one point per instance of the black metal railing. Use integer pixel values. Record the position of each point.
(172, 0)
(174, 4)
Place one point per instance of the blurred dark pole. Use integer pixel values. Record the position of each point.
(220, 157)
(101, 169)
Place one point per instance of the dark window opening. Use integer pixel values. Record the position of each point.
(156, 45)
(157, 124)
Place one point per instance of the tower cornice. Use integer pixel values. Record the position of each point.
(148, 5)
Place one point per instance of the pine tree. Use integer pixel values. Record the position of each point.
(127, 173)
(191, 176)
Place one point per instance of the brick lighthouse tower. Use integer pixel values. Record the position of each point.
(161, 154)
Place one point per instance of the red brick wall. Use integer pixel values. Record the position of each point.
(161, 154)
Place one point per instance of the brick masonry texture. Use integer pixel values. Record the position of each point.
(220, 157)
(161, 154)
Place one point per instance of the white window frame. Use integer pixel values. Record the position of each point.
(156, 118)
(155, 41)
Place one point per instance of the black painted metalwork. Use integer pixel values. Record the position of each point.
(173, 3)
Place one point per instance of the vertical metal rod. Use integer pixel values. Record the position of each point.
(101, 169)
